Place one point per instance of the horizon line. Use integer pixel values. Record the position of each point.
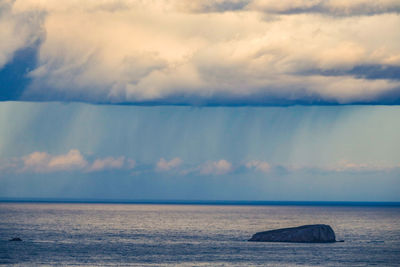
(205, 105)
(203, 202)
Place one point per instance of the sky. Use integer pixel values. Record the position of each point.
(200, 100)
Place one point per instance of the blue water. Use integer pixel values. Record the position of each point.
(192, 235)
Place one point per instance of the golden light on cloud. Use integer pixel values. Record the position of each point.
(208, 52)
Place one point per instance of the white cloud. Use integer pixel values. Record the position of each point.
(261, 166)
(164, 165)
(216, 167)
(72, 160)
(109, 163)
(170, 52)
(345, 166)
(44, 162)
(349, 166)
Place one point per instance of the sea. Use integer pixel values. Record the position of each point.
(156, 234)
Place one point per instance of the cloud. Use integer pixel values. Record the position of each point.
(17, 30)
(8, 164)
(261, 166)
(239, 53)
(164, 165)
(329, 7)
(43, 162)
(349, 166)
(111, 163)
(216, 167)
(344, 166)
(206, 6)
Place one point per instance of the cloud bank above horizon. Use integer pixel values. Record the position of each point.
(214, 52)
(78, 150)
(40, 162)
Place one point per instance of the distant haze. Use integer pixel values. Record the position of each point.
(342, 153)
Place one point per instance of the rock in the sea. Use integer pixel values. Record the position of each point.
(15, 239)
(316, 233)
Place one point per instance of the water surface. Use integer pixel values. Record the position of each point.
(192, 235)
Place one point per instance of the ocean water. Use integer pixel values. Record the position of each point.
(192, 235)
